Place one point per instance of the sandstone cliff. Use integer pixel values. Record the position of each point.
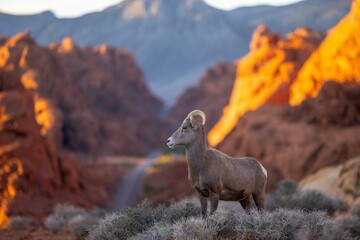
(211, 95)
(293, 142)
(33, 172)
(99, 94)
(265, 74)
(281, 71)
(336, 59)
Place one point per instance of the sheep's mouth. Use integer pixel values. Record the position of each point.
(171, 145)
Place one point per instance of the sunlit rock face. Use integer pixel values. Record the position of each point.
(33, 172)
(211, 95)
(99, 93)
(336, 59)
(265, 74)
(293, 142)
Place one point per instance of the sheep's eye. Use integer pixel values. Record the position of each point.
(184, 128)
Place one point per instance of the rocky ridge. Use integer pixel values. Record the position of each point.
(293, 142)
(33, 170)
(211, 94)
(265, 74)
(98, 96)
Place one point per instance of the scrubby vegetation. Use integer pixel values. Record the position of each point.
(287, 195)
(77, 220)
(290, 214)
(19, 223)
(182, 221)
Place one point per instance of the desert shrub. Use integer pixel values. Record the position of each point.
(78, 220)
(286, 187)
(82, 224)
(350, 223)
(287, 195)
(183, 221)
(18, 223)
(316, 201)
(356, 210)
(159, 231)
(281, 224)
(226, 223)
(127, 222)
(274, 201)
(62, 214)
(97, 212)
(180, 210)
(196, 228)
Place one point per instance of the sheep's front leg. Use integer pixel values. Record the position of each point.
(214, 202)
(203, 203)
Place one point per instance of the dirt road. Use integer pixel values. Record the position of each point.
(131, 185)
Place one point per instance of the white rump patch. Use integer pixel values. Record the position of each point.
(263, 169)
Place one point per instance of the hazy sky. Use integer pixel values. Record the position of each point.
(73, 8)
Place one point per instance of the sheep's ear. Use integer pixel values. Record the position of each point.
(193, 122)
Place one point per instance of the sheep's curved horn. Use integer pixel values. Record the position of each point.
(196, 113)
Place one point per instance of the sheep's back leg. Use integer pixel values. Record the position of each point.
(214, 202)
(245, 203)
(259, 199)
(203, 203)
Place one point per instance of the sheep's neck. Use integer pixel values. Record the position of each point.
(195, 154)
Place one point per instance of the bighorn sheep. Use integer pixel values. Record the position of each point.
(214, 174)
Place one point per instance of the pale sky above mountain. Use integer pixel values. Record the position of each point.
(74, 8)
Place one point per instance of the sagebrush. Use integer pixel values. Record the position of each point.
(287, 195)
(183, 221)
(79, 221)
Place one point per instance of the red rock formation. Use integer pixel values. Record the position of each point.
(293, 142)
(211, 95)
(99, 93)
(336, 59)
(265, 74)
(32, 171)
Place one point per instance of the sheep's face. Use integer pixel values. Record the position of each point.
(186, 135)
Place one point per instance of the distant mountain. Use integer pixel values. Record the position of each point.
(175, 41)
(211, 95)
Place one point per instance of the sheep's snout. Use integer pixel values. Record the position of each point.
(170, 143)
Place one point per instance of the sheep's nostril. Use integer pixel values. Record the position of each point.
(168, 140)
